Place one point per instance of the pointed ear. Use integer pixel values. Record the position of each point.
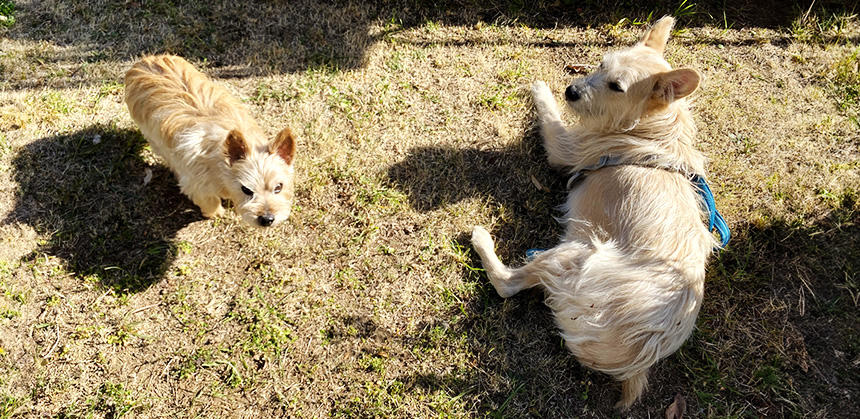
(675, 84)
(235, 147)
(657, 36)
(284, 145)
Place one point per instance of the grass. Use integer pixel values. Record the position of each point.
(7, 13)
(118, 299)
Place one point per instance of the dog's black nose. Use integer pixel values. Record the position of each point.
(571, 94)
(266, 220)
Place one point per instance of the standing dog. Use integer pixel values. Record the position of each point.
(626, 282)
(210, 141)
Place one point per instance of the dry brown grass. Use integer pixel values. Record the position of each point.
(414, 124)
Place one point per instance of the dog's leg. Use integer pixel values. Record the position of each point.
(556, 139)
(210, 205)
(497, 272)
(500, 275)
(546, 266)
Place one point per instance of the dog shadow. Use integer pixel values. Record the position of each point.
(515, 179)
(85, 191)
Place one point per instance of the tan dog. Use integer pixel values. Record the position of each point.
(627, 281)
(210, 141)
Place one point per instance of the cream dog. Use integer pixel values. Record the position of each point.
(210, 141)
(626, 282)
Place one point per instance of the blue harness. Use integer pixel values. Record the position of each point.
(715, 219)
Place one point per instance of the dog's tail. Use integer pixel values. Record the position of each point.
(632, 388)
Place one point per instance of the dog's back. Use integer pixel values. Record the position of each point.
(165, 95)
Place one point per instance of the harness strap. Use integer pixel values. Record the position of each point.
(715, 219)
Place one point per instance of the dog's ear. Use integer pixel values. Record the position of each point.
(235, 146)
(284, 145)
(658, 35)
(675, 84)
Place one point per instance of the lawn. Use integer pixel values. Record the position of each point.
(414, 123)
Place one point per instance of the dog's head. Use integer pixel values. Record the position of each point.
(631, 83)
(262, 177)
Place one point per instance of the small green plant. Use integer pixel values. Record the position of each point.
(769, 378)
(57, 103)
(7, 13)
(372, 363)
(846, 83)
(115, 400)
(685, 8)
(5, 147)
(8, 406)
(8, 313)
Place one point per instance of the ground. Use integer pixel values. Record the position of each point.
(414, 123)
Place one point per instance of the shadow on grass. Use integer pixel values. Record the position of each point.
(239, 39)
(435, 177)
(780, 326)
(523, 367)
(89, 199)
(778, 333)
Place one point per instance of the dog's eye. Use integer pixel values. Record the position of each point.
(247, 191)
(613, 85)
(278, 187)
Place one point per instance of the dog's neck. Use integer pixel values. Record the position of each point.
(666, 134)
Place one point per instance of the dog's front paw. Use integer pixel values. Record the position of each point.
(540, 90)
(544, 102)
(216, 213)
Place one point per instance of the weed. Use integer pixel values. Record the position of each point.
(5, 147)
(846, 85)
(121, 335)
(8, 406)
(111, 400)
(7, 13)
(498, 98)
(769, 378)
(372, 363)
(57, 103)
(265, 93)
(684, 8)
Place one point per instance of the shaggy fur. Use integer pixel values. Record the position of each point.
(210, 141)
(627, 281)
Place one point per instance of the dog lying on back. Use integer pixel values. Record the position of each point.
(627, 281)
(210, 141)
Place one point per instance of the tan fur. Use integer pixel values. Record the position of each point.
(627, 280)
(210, 141)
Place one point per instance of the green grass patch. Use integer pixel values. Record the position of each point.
(7, 13)
(846, 86)
(8, 406)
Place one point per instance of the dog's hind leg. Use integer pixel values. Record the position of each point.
(499, 274)
(556, 138)
(548, 265)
